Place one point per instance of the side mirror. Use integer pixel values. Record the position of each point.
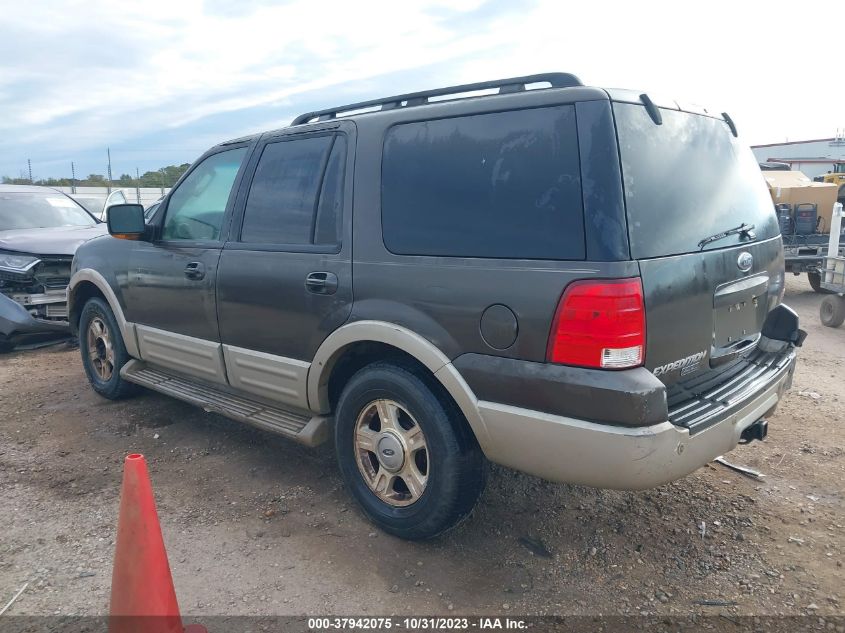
(126, 221)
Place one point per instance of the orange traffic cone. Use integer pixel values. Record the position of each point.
(143, 599)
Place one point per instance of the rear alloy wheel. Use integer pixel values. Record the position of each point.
(392, 453)
(832, 311)
(405, 451)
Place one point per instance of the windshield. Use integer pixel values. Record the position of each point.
(688, 179)
(40, 210)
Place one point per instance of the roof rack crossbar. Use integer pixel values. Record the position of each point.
(510, 85)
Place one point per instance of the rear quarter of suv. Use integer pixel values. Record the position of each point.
(578, 283)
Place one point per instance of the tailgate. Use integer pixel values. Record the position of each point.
(702, 311)
(702, 227)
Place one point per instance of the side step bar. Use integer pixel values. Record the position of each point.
(303, 428)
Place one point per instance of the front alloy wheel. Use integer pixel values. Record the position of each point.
(100, 349)
(392, 452)
(103, 350)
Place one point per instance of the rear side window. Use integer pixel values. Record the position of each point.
(503, 185)
(296, 193)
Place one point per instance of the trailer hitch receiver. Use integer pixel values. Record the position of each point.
(757, 431)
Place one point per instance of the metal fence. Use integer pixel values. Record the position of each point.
(141, 195)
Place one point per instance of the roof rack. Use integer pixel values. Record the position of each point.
(512, 84)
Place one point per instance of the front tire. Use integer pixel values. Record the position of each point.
(103, 351)
(405, 451)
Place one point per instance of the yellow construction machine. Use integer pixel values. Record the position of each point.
(837, 177)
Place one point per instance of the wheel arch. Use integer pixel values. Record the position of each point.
(380, 335)
(87, 283)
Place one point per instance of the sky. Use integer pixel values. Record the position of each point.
(158, 82)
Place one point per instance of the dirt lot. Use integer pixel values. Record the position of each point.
(256, 525)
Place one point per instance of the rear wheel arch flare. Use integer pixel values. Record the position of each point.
(399, 343)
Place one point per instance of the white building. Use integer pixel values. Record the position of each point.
(814, 158)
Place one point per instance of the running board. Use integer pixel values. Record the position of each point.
(303, 428)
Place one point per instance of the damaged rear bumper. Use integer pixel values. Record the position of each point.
(570, 450)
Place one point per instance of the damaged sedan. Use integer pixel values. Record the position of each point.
(40, 230)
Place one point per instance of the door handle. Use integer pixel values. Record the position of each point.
(195, 270)
(321, 283)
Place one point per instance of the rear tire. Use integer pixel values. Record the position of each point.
(103, 351)
(815, 280)
(832, 311)
(425, 471)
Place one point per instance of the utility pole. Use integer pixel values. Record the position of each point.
(108, 153)
(137, 186)
(29, 166)
(72, 177)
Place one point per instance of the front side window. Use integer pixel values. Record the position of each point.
(502, 185)
(295, 195)
(197, 206)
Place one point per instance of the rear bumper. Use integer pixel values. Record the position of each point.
(569, 450)
(18, 326)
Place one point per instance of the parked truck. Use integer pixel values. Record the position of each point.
(804, 209)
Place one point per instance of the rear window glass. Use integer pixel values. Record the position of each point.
(503, 185)
(685, 180)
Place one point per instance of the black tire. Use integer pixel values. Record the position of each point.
(832, 311)
(815, 280)
(453, 461)
(113, 386)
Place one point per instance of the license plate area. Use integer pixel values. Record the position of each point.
(739, 310)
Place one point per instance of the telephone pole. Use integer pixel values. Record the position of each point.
(29, 166)
(137, 186)
(72, 177)
(108, 153)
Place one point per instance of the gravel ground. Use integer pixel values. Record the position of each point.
(258, 526)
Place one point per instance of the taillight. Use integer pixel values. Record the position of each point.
(599, 324)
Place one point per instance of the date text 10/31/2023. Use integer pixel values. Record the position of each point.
(416, 624)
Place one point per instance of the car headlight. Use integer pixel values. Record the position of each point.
(20, 264)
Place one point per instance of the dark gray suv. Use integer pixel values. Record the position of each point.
(582, 284)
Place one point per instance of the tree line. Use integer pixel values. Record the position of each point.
(164, 177)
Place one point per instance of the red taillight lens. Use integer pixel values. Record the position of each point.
(599, 324)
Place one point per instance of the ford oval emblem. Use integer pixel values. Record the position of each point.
(745, 261)
(389, 452)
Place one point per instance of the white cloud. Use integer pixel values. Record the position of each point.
(91, 73)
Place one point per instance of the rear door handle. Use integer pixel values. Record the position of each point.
(195, 270)
(321, 283)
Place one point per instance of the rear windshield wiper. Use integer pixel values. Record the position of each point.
(744, 230)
